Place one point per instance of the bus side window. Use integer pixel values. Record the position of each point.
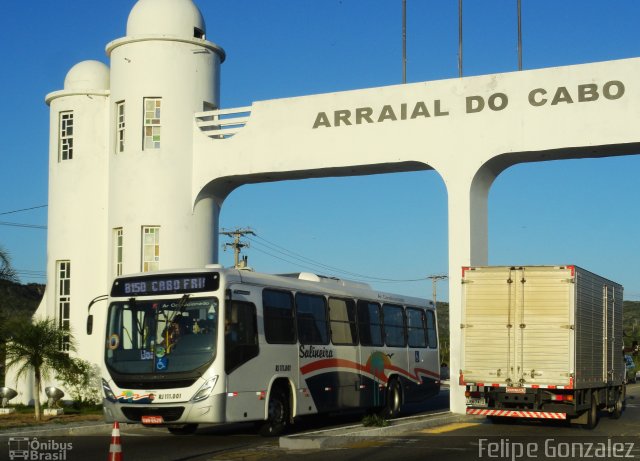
(277, 307)
(311, 313)
(432, 334)
(416, 328)
(369, 323)
(342, 314)
(394, 333)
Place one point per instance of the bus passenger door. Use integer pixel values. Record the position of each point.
(241, 362)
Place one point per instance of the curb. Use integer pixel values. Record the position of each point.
(333, 438)
(61, 430)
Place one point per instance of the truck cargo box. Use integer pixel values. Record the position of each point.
(540, 327)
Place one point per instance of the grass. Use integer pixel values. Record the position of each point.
(24, 416)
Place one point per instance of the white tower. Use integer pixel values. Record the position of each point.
(121, 166)
(162, 73)
(76, 239)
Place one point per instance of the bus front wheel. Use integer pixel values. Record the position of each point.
(278, 415)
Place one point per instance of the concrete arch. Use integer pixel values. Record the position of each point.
(451, 125)
(220, 188)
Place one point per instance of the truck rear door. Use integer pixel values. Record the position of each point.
(544, 299)
(487, 315)
(516, 325)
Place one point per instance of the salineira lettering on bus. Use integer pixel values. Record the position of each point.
(310, 352)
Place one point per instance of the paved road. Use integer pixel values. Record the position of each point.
(454, 442)
(509, 441)
(229, 442)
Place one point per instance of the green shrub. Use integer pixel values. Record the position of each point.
(374, 420)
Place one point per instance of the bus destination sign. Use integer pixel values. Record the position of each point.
(165, 284)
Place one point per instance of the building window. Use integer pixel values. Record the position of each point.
(151, 124)
(64, 300)
(117, 250)
(65, 141)
(150, 248)
(120, 126)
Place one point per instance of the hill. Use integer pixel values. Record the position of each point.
(631, 322)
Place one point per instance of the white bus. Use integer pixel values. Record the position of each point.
(220, 345)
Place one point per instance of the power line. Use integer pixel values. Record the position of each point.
(30, 272)
(15, 224)
(24, 209)
(291, 254)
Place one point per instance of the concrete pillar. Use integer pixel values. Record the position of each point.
(468, 246)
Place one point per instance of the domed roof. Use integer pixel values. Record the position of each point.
(87, 75)
(165, 17)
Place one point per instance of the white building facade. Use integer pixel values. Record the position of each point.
(120, 165)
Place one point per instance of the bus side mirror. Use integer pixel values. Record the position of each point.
(90, 324)
(90, 315)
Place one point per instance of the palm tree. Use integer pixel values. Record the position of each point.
(6, 270)
(37, 346)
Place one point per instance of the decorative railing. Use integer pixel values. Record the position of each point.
(222, 123)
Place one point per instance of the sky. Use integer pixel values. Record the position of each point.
(379, 228)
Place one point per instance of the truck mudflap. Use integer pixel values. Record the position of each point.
(517, 413)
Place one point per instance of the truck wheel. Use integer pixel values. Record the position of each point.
(393, 399)
(592, 415)
(185, 429)
(278, 418)
(617, 407)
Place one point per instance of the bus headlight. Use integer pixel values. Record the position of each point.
(205, 390)
(108, 393)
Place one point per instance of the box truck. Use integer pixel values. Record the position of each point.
(541, 342)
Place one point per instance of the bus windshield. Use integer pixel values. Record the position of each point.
(161, 336)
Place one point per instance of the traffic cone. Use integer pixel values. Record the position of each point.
(115, 449)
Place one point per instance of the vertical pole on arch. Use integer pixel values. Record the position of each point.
(468, 246)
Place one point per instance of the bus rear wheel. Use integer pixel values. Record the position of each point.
(393, 399)
(184, 429)
(278, 414)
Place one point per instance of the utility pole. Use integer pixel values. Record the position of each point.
(519, 34)
(237, 244)
(434, 281)
(404, 41)
(460, 38)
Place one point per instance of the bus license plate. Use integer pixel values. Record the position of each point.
(516, 390)
(152, 420)
(477, 402)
